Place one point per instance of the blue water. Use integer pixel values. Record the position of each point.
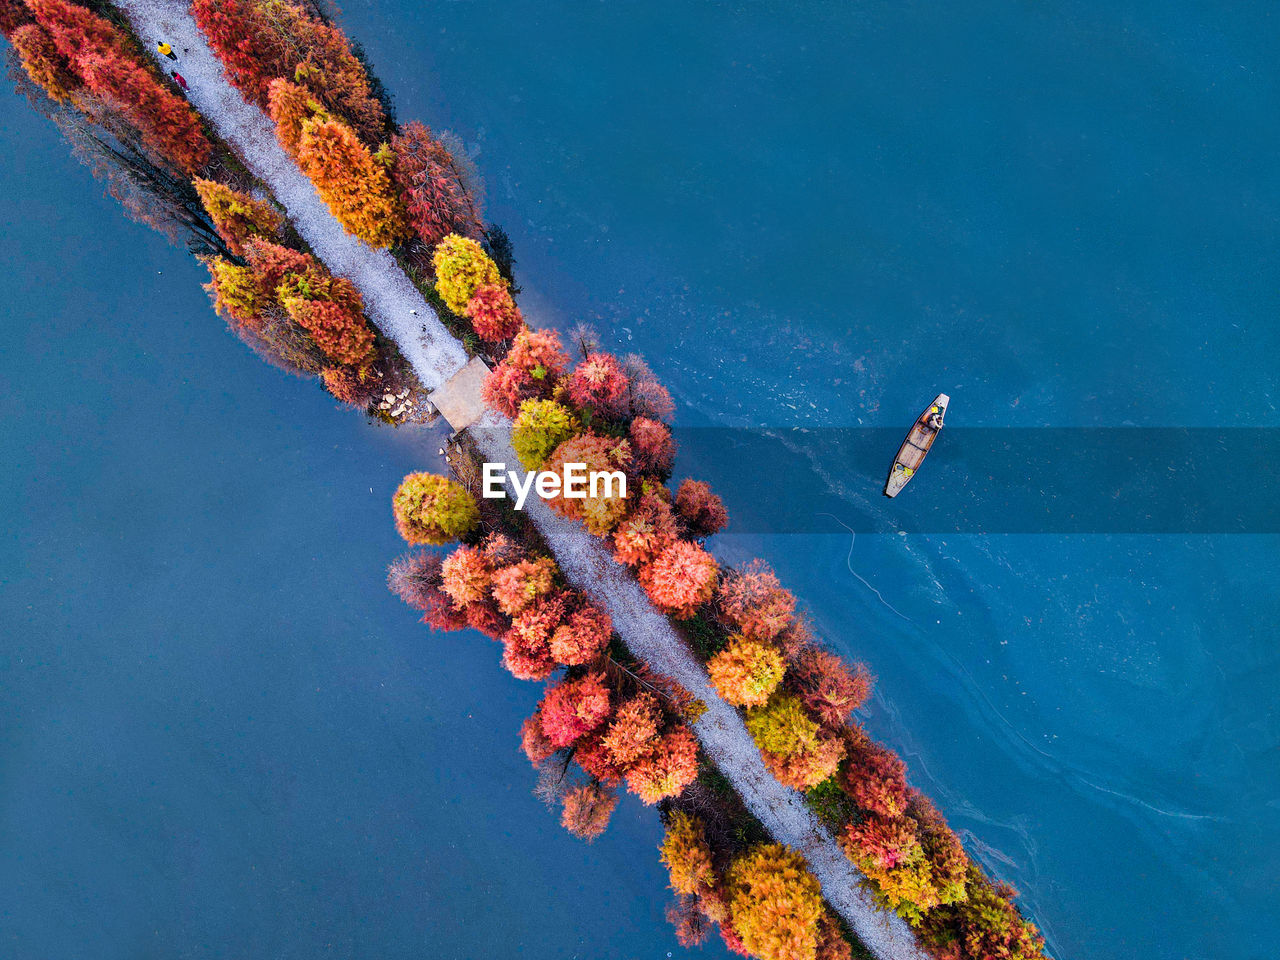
(822, 214)
(221, 733)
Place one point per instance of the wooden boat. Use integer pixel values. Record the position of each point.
(913, 450)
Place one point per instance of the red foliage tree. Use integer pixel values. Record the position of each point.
(271, 263)
(598, 384)
(751, 599)
(648, 530)
(594, 757)
(101, 57)
(691, 925)
(587, 809)
(493, 314)
(540, 353)
(507, 386)
(701, 510)
(583, 636)
(337, 326)
(260, 41)
(527, 645)
(633, 732)
(652, 445)
(501, 550)
(826, 686)
(680, 579)
(485, 617)
(429, 178)
(573, 708)
(345, 385)
(874, 777)
(671, 767)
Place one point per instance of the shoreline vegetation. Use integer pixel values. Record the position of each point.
(606, 722)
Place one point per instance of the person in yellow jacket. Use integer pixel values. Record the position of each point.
(166, 50)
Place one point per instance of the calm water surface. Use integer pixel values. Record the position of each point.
(221, 732)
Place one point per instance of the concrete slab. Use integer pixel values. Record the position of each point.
(458, 399)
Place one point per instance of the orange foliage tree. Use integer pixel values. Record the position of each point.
(753, 600)
(527, 644)
(603, 511)
(775, 902)
(43, 62)
(493, 314)
(633, 732)
(290, 106)
(665, 772)
(680, 579)
(517, 585)
(746, 672)
(466, 575)
(354, 185)
(648, 530)
(583, 636)
(587, 809)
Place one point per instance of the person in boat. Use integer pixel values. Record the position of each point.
(932, 419)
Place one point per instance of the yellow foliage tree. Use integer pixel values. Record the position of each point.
(687, 855)
(747, 671)
(462, 266)
(775, 903)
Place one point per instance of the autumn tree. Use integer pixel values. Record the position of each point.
(290, 106)
(687, 855)
(437, 201)
(875, 778)
(493, 314)
(530, 371)
(752, 600)
(261, 40)
(44, 63)
(647, 530)
(462, 267)
(633, 732)
(746, 672)
(665, 772)
(354, 185)
(573, 708)
(100, 56)
(13, 14)
(583, 636)
(826, 685)
(466, 575)
(701, 510)
(237, 215)
(346, 385)
(776, 903)
(236, 293)
(599, 385)
(431, 509)
(416, 579)
(527, 644)
(336, 325)
(605, 505)
(985, 925)
(646, 396)
(540, 427)
(587, 809)
(533, 742)
(517, 585)
(795, 749)
(680, 579)
(652, 445)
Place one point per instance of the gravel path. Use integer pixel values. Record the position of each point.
(400, 312)
(390, 300)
